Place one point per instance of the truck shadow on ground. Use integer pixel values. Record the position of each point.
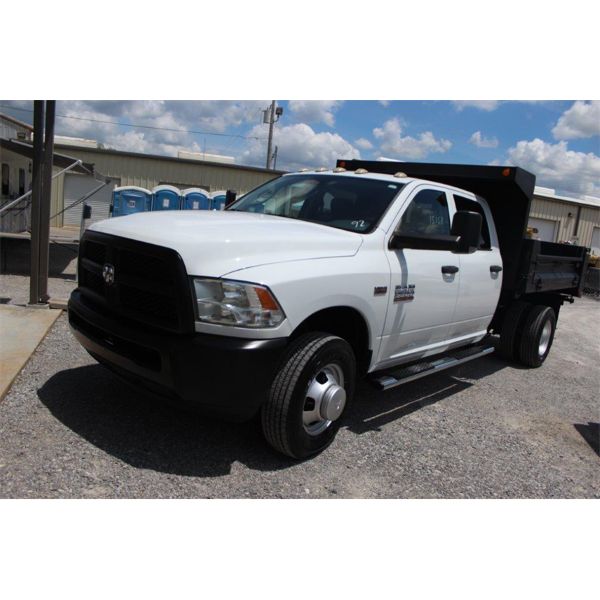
(591, 434)
(374, 409)
(147, 434)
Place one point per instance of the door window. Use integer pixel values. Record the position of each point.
(427, 214)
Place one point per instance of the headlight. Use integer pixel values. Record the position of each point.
(234, 303)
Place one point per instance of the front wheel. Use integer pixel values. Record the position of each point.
(311, 391)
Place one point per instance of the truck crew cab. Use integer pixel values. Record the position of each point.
(276, 305)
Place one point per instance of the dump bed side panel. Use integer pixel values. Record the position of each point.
(549, 267)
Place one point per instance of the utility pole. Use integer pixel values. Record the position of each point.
(36, 199)
(46, 200)
(271, 116)
(275, 157)
(43, 150)
(271, 123)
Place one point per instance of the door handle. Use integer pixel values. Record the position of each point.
(449, 269)
(495, 269)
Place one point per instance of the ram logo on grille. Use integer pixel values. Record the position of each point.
(108, 273)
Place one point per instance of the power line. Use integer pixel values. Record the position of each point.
(230, 135)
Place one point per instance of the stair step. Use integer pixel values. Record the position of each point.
(392, 378)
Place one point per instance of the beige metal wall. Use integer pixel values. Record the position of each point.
(590, 218)
(15, 162)
(149, 172)
(556, 210)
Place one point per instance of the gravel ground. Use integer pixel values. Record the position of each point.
(70, 429)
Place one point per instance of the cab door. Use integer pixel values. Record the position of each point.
(424, 282)
(480, 276)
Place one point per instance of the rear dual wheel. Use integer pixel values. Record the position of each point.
(527, 333)
(537, 335)
(309, 396)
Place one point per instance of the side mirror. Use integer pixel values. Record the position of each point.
(467, 226)
(230, 196)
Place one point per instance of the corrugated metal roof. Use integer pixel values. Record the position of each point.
(548, 193)
(58, 160)
(172, 159)
(14, 121)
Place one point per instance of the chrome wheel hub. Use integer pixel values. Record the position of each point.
(545, 338)
(325, 399)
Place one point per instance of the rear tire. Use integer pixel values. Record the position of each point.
(511, 329)
(537, 337)
(309, 395)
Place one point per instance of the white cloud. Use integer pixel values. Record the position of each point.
(384, 103)
(487, 105)
(172, 118)
(315, 111)
(137, 141)
(363, 144)
(556, 166)
(393, 142)
(481, 141)
(582, 120)
(299, 146)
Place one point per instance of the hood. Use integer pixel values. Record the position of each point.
(215, 243)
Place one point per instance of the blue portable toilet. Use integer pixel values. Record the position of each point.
(166, 197)
(129, 199)
(195, 199)
(218, 200)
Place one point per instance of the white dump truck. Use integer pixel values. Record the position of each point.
(276, 305)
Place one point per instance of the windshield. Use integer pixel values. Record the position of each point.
(344, 202)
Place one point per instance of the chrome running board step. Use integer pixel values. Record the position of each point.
(390, 379)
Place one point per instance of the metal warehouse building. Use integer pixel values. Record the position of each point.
(565, 219)
(144, 170)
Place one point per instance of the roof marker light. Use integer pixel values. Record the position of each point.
(506, 172)
(303, 170)
(339, 170)
(400, 174)
(321, 169)
(361, 171)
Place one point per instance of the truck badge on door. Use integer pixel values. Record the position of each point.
(404, 293)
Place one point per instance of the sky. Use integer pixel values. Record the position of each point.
(559, 141)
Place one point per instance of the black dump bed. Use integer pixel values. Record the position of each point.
(530, 266)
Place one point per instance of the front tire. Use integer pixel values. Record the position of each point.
(537, 337)
(309, 395)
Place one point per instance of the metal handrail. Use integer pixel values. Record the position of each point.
(20, 198)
